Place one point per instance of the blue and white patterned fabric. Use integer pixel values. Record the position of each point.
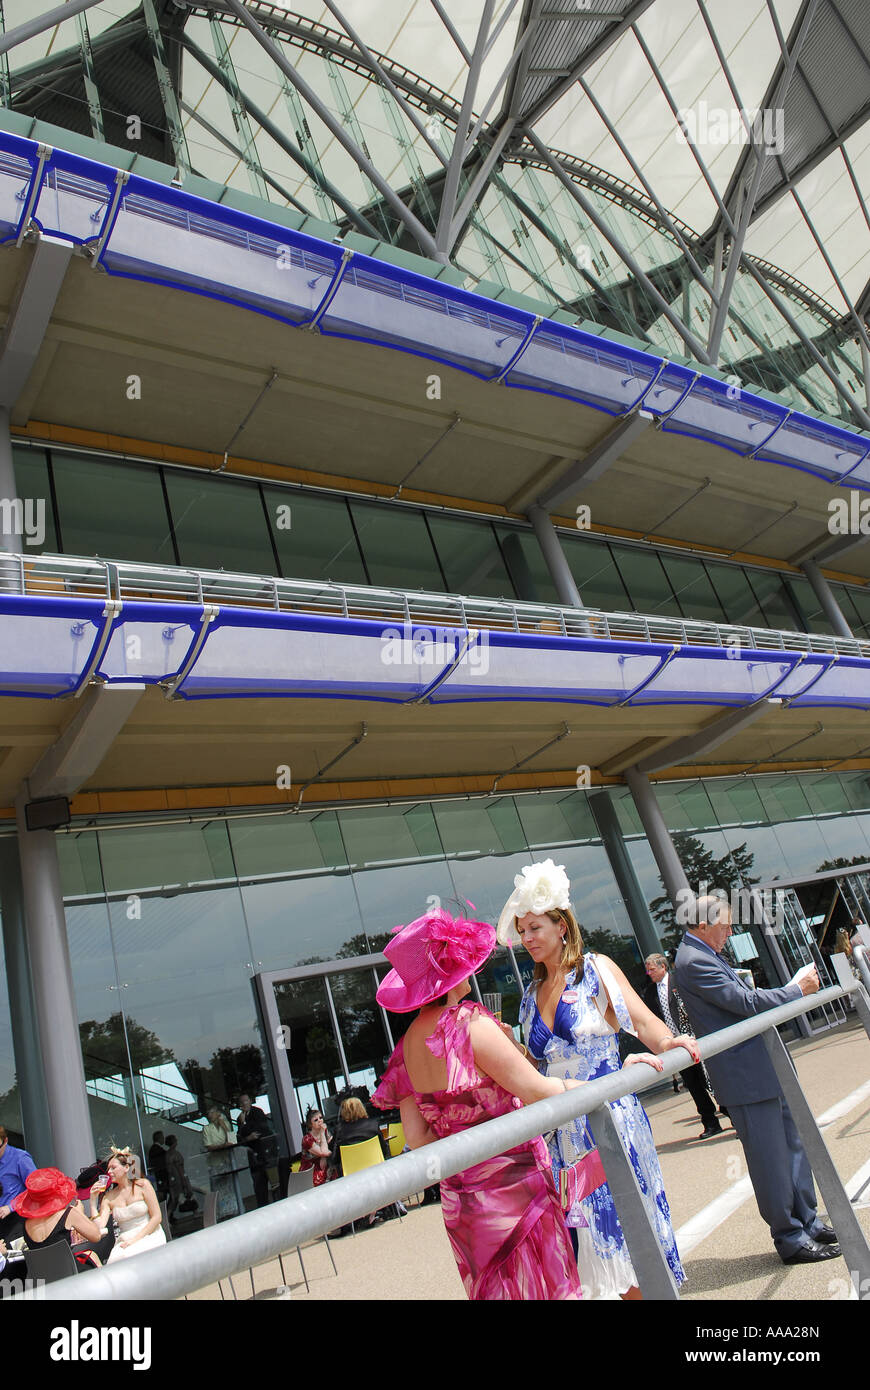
(583, 1046)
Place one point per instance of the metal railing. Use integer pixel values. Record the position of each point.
(246, 1241)
(53, 576)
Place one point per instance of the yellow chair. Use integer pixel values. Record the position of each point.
(395, 1139)
(367, 1154)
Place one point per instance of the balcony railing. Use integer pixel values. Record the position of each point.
(52, 576)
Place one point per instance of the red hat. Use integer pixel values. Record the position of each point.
(47, 1190)
(430, 956)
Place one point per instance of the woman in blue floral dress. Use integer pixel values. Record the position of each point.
(571, 1014)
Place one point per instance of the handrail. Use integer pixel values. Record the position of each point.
(202, 1258)
(67, 576)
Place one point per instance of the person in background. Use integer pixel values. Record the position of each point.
(131, 1203)
(316, 1143)
(157, 1164)
(661, 997)
(52, 1213)
(252, 1127)
(176, 1176)
(15, 1165)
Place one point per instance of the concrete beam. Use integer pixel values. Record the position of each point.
(86, 740)
(597, 461)
(719, 731)
(29, 315)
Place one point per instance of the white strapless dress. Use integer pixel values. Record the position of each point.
(128, 1220)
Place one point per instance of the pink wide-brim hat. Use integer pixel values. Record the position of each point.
(430, 956)
(46, 1190)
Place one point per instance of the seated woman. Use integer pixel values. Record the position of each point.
(315, 1147)
(355, 1125)
(52, 1214)
(131, 1203)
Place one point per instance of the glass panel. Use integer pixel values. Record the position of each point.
(597, 577)
(219, 524)
(397, 548)
(470, 557)
(646, 581)
(693, 589)
(808, 606)
(773, 597)
(304, 907)
(551, 821)
(735, 595)
(312, 1051)
(526, 564)
(112, 509)
(361, 1025)
(34, 493)
(314, 536)
(861, 603)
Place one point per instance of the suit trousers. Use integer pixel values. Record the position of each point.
(779, 1171)
(693, 1080)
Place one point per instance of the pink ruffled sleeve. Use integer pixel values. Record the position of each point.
(395, 1084)
(451, 1041)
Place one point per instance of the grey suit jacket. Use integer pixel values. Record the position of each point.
(715, 997)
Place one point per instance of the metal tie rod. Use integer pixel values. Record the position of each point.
(31, 27)
(206, 1256)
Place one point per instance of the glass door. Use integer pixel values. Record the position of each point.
(325, 1032)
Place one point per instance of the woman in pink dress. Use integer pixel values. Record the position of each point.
(455, 1068)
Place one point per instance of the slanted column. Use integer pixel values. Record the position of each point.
(830, 607)
(672, 872)
(554, 555)
(56, 1013)
(607, 822)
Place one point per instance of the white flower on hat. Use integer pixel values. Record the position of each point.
(537, 888)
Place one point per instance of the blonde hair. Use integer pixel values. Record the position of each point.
(572, 948)
(352, 1109)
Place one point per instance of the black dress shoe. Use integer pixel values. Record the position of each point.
(826, 1236)
(710, 1131)
(811, 1254)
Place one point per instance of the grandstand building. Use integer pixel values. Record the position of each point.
(433, 435)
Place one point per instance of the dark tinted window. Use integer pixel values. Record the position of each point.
(220, 524)
(470, 557)
(112, 509)
(397, 548)
(314, 536)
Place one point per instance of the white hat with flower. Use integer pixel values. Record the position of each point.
(537, 888)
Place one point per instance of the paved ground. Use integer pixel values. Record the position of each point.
(733, 1259)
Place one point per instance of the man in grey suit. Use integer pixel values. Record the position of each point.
(745, 1082)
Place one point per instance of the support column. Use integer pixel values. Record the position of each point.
(56, 1014)
(822, 590)
(607, 821)
(8, 491)
(554, 555)
(672, 872)
(25, 1032)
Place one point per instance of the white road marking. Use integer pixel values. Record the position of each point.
(700, 1226)
(843, 1106)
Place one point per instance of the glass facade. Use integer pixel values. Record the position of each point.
(169, 923)
(176, 516)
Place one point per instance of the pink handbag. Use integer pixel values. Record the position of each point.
(582, 1178)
